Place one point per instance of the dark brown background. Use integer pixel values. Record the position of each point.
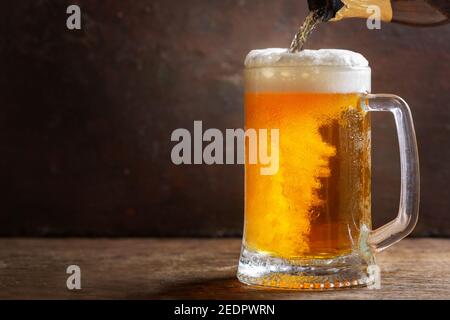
(86, 116)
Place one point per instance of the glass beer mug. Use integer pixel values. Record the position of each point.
(308, 225)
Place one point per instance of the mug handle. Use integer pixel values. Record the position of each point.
(408, 211)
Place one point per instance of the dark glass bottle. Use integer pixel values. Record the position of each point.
(412, 12)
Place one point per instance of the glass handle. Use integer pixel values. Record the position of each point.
(408, 211)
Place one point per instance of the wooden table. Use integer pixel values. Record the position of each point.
(193, 269)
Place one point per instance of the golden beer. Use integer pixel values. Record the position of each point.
(310, 216)
(314, 205)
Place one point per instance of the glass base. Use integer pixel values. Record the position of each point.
(260, 269)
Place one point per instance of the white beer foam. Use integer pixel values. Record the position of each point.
(324, 57)
(324, 70)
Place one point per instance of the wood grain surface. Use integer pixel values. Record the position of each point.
(194, 269)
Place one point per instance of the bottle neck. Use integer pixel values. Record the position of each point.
(327, 8)
(412, 12)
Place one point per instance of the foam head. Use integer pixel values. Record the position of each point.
(325, 70)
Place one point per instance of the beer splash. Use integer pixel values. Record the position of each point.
(312, 20)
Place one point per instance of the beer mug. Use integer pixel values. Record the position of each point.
(308, 225)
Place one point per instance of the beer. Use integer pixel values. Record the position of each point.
(314, 206)
(412, 12)
(318, 201)
(302, 35)
(307, 224)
